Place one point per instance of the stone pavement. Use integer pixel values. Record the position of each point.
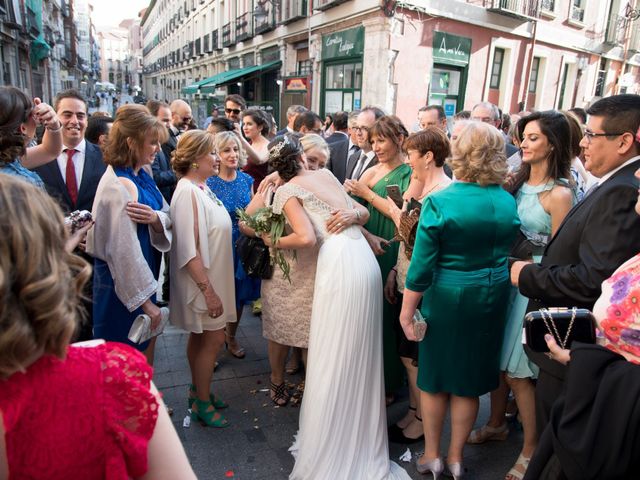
(255, 446)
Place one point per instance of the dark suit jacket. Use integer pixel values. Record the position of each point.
(339, 151)
(353, 160)
(170, 145)
(595, 238)
(92, 172)
(164, 176)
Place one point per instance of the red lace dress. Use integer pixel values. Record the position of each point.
(89, 416)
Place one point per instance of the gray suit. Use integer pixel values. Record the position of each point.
(353, 161)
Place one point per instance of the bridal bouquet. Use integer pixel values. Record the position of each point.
(266, 221)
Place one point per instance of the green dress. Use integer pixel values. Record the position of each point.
(460, 263)
(384, 227)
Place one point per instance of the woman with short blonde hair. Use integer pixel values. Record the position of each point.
(132, 227)
(202, 298)
(316, 151)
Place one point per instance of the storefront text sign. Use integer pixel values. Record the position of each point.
(347, 43)
(451, 49)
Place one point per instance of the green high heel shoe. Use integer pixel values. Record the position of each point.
(208, 418)
(218, 403)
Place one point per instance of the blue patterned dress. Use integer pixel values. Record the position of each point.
(237, 194)
(16, 169)
(111, 319)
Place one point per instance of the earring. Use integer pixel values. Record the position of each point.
(194, 166)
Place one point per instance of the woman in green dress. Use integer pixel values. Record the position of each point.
(386, 136)
(459, 263)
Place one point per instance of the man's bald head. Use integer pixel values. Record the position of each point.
(180, 114)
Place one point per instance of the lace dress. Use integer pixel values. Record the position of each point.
(90, 415)
(343, 428)
(236, 194)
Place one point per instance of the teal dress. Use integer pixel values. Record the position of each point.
(536, 226)
(460, 263)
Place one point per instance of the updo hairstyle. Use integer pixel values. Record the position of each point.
(40, 282)
(15, 108)
(285, 156)
(192, 145)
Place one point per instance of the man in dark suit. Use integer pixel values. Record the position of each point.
(360, 161)
(596, 236)
(163, 174)
(73, 177)
(292, 113)
(339, 146)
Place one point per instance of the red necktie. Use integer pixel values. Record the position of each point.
(72, 183)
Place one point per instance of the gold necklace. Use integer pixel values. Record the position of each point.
(431, 189)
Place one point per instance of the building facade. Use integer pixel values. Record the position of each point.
(334, 55)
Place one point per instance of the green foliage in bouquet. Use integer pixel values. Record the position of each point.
(266, 221)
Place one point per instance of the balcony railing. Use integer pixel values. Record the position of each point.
(266, 20)
(227, 38)
(293, 10)
(615, 30)
(215, 43)
(243, 27)
(516, 8)
(325, 4)
(577, 14)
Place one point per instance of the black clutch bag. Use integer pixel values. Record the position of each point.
(564, 324)
(255, 257)
(522, 248)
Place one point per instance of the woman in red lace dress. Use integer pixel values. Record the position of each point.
(67, 411)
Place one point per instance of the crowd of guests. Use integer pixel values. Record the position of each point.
(163, 192)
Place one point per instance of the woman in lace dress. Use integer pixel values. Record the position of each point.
(342, 420)
(68, 411)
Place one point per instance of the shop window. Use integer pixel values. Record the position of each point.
(496, 68)
(533, 77)
(342, 87)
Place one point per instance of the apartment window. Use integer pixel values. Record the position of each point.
(496, 68)
(304, 67)
(548, 5)
(602, 78)
(577, 10)
(533, 78)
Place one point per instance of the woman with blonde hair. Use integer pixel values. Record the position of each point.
(459, 264)
(202, 296)
(68, 411)
(132, 226)
(316, 151)
(234, 189)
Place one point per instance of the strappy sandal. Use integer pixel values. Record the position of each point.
(279, 394)
(515, 474)
(208, 418)
(234, 348)
(487, 433)
(217, 403)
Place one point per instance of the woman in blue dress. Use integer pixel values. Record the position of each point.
(131, 228)
(543, 197)
(234, 188)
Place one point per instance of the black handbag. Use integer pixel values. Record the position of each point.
(255, 257)
(564, 324)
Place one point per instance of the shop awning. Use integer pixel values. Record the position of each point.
(226, 77)
(193, 88)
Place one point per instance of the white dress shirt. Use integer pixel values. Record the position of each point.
(78, 162)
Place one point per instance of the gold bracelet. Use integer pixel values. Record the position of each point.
(202, 286)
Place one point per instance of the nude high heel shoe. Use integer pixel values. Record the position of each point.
(435, 466)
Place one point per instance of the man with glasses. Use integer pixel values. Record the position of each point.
(233, 106)
(596, 237)
(365, 158)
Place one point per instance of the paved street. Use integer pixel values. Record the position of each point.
(255, 446)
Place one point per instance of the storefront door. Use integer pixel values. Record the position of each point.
(445, 88)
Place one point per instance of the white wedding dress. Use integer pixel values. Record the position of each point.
(343, 427)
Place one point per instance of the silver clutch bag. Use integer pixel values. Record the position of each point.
(140, 330)
(419, 326)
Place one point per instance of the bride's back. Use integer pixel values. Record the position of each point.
(324, 186)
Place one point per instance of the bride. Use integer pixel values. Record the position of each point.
(343, 424)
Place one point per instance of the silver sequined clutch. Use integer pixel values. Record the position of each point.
(141, 331)
(419, 326)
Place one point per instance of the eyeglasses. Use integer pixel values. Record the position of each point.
(186, 119)
(589, 135)
(360, 129)
(233, 110)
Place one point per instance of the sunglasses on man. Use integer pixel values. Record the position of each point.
(235, 111)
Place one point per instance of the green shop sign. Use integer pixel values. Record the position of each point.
(348, 43)
(451, 49)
